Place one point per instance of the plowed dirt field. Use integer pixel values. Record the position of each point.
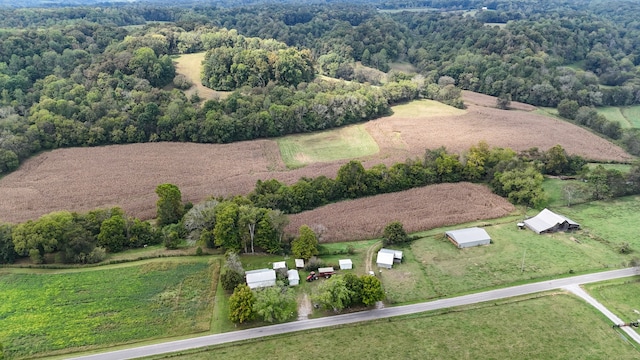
(80, 179)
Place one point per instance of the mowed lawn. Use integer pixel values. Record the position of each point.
(344, 143)
(621, 296)
(555, 326)
(58, 312)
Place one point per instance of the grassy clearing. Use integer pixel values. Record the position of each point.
(553, 189)
(344, 143)
(57, 313)
(455, 271)
(632, 114)
(621, 296)
(612, 222)
(190, 65)
(404, 67)
(547, 327)
(614, 113)
(425, 108)
(624, 168)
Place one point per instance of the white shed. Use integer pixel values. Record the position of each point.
(299, 263)
(385, 259)
(294, 277)
(279, 265)
(345, 264)
(464, 238)
(397, 254)
(261, 278)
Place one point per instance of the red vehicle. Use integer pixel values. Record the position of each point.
(322, 272)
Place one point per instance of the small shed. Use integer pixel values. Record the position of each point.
(279, 265)
(299, 263)
(397, 254)
(385, 259)
(345, 264)
(261, 278)
(294, 277)
(547, 221)
(464, 238)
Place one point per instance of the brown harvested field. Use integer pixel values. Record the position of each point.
(407, 136)
(475, 98)
(190, 65)
(417, 209)
(82, 179)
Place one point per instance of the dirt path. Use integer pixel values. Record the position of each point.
(369, 258)
(304, 307)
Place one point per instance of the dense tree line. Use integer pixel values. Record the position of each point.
(75, 238)
(502, 168)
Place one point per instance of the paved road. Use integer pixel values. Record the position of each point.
(296, 326)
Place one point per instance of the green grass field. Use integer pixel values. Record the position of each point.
(549, 327)
(425, 108)
(344, 143)
(621, 296)
(632, 114)
(57, 312)
(613, 113)
(614, 221)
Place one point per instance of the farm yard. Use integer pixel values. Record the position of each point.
(563, 326)
(53, 312)
(81, 179)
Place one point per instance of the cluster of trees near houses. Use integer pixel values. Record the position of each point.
(84, 80)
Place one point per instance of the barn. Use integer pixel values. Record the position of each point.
(386, 258)
(261, 278)
(345, 264)
(464, 238)
(547, 221)
(294, 277)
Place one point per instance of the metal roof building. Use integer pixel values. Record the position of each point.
(464, 238)
(547, 221)
(279, 265)
(384, 260)
(294, 277)
(345, 264)
(261, 278)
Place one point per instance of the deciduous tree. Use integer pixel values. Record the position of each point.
(306, 244)
(371, 290)
(169, 205)
(394, 234)
(241, 304)
(275, 304)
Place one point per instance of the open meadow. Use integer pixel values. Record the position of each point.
(516, 255)
(81, 179)
(54, 311)
(563, 326)
(190, 65)
(621, 296)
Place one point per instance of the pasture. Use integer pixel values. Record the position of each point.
(614, 113)
(632, 114)
(563, 326)
(621, 296)
(55, 312)
(348, 142)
